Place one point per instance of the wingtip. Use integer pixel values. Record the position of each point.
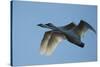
(88, 25)
(45, 53)
(95, 32)
(83, 21)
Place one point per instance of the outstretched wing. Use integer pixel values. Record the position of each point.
(69, 26)
(55, 39)
(83, 27)
(44, 41)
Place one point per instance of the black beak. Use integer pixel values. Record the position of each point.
(39, 24)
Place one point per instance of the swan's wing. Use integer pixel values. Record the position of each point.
(55, 39)
(69, 26)
(83, 27)
(44, 41)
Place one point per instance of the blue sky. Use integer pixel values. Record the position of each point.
(27, 35)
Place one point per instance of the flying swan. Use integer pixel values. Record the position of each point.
(70, 32)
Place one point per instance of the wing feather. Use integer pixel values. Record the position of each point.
(69, 26)
(44, 41)
(83, 27)
(55, 39)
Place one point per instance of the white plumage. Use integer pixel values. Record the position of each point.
(70, 32)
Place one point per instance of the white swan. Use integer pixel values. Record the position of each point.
(70, 32)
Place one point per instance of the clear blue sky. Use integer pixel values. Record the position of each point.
(27, 35)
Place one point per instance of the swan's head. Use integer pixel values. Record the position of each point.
(49, 24)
